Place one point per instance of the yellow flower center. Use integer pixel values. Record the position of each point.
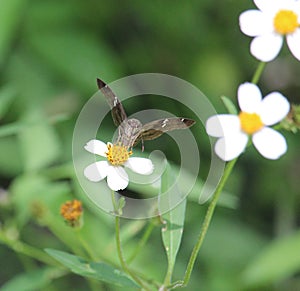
(117, 154)
(250, 122)
(71, 210)
(286, 21)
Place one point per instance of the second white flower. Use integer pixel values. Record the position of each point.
(256, 116)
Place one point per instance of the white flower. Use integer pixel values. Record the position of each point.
(117, 157)
(274, 20)
(255, 117)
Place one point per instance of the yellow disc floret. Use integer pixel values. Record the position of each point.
(117, 154)
(250, 122)
(72, 211)
(286, 21)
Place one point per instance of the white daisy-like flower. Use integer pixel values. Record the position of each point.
(274, 20)
(256, 115)
(118, 157)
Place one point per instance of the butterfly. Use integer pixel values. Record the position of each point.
(131, 130)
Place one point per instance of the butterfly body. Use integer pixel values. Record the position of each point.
(131, 130)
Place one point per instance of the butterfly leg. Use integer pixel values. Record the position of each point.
(143, 145)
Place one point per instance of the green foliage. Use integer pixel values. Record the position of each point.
(39, 142)
(231, 108)
(51, 53)
(98, 271)
(7, 95)
(33, 280)
(10, 157)
(10, 15)
(173, 224)
(278, 261)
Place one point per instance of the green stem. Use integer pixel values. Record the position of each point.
(258, 72)
(68, 238)
(27, 262)
(121, 257)
(25, 249)
(142, 241)
(94, 285)
(213, 203)
(113, 199)
(85, 245)
(119, 247)
(207, 220)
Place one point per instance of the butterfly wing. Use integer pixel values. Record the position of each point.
(156, 128)
(117, 110)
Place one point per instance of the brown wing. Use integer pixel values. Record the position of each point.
(156, 128)
(117, 110)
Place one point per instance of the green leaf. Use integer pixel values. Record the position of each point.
(231, 108)
(11, 129)
(95, 270)
(39, 142)
(10, 17)
(227, 199)
(76, 56)
(7, 94)
(33, 280)
(278, 261)
(10, 157)
(173, 228)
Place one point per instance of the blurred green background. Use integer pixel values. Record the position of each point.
(51, 53)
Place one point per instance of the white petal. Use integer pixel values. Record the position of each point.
(222, 125)
(228, 148)
(264, 5)
(273, 108)
(270, 143)
(141, 166)
(249, 97)
(97, 171)
(117, 178)
(293, 42)
(97, 147)
(254, 23)
(266, 47)
(270, 6)
(290, 5)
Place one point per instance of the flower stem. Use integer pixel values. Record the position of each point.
(213, 203)
(119, 247)
(114, 203)
(207, 220)
(85, 245)
(143, 241)
(258, 72)
(121, 257)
